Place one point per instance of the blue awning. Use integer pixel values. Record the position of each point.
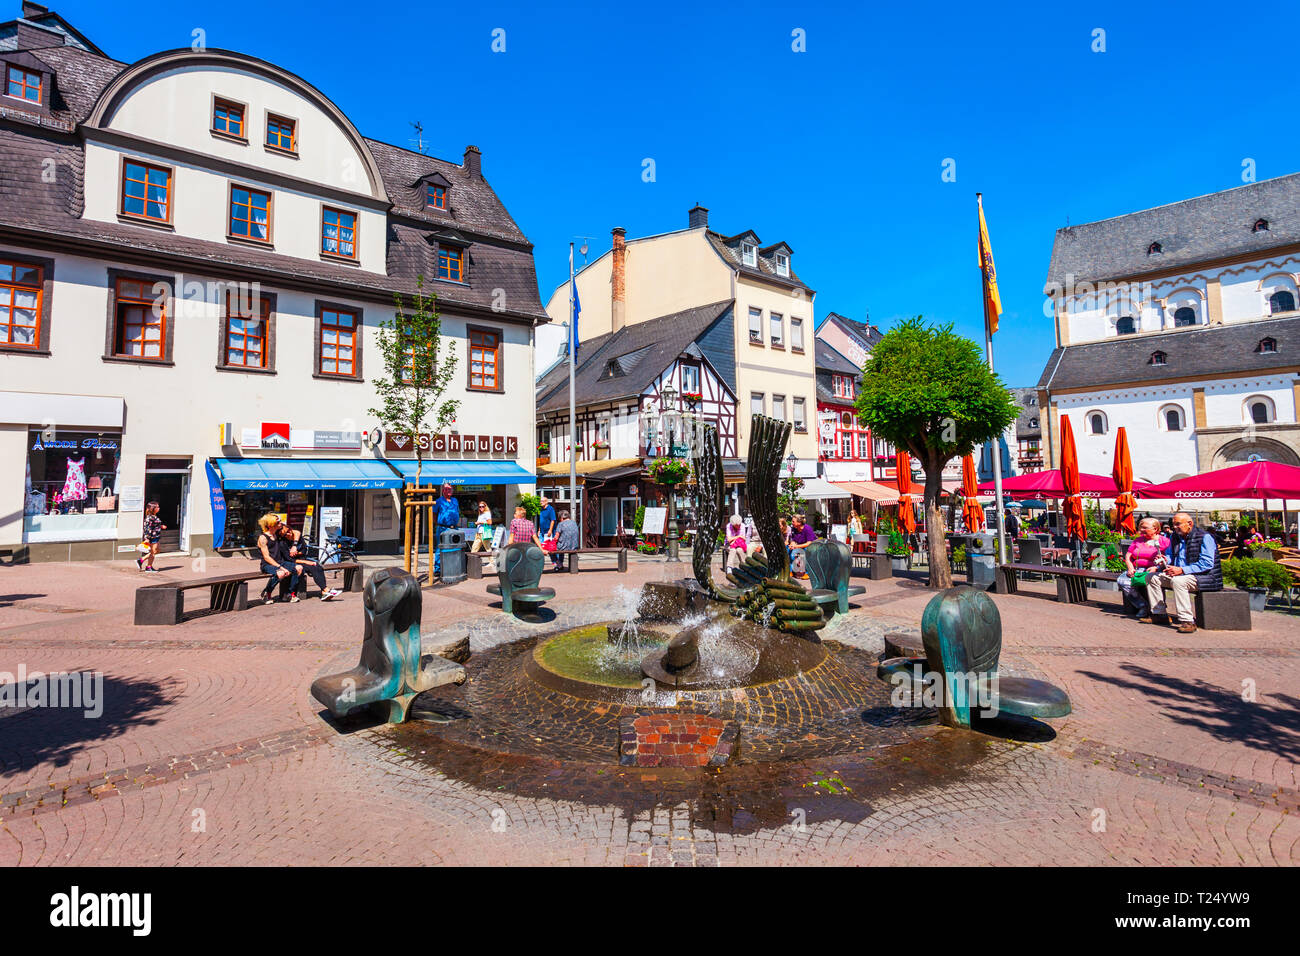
(297, 474)
(465, 472)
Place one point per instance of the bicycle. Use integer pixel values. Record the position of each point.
(338, 549)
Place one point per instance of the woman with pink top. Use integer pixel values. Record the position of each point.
(736, 543)
(1145, 554)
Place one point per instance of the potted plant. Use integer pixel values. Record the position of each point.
(599, 449)
(692, 398)
(1257, 578)
(898, 551)
(1267, 550)
(543, 453)
(670, 471)
(1115, 565)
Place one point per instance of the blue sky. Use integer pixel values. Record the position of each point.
(837, 150)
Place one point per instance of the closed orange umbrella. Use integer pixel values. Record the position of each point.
(1125, 504)
(972, 511)
(906, 517)
(1070, 482)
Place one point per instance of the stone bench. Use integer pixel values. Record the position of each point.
(1226, 610)
(876, 563)
(164, 603)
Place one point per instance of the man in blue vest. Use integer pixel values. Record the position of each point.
(446, 514)
(1193, 566)
(546, 524)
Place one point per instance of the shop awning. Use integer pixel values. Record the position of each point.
(874, 491)
(297, 474)
(464, 472)
(820, 488)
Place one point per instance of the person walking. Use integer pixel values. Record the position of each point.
(1193, 566)
(446, 514)
(483, 528)
(1011, 523)
(153, 529)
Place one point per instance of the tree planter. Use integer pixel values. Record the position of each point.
(1106, 585)
(897, 563)
(1262, 554)
(1258, 598)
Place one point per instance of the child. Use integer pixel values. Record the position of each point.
(153, 529)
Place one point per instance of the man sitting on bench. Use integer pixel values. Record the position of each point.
(1193, 566)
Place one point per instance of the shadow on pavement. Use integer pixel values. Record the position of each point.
(35, 735)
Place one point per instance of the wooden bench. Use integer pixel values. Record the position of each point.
(164, 603)
(1071, 583)
(573, 557)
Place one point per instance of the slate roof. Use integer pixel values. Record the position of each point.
(865, 332)
(729, 248)
(642, 350)
(1205, 352)
(1189, 232)
(34, 209)
(1029, 413)
(831, 360)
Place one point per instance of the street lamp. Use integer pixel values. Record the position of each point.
(791, 463)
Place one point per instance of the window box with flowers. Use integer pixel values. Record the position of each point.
(543, 453)
(693, 398)
(600, 449)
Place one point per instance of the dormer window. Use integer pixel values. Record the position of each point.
(1261, 225)
(435, 196)
(23, 84)
(451, 263)
(749, 254)
(1157, 358)
(1267, 346)
(782, 264)
(1153, 249)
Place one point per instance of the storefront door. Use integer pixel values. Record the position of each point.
(168, 489)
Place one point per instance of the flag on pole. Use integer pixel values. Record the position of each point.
(575, 307)
(992, 300)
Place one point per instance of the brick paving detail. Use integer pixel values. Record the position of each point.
(208, 749)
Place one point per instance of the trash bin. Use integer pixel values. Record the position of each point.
(981, 559)
(451, 555)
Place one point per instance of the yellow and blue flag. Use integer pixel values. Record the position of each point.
(992, 300)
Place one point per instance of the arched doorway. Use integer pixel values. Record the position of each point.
(1242, 450)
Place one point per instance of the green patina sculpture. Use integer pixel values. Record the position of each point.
(768, 594)
(962, 634)
(710, 505)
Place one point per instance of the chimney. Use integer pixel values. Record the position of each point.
(473, 161)
(33, 9)
(618, 281)
(699, 217)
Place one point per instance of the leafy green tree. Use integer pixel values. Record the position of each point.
(416, 373)
(788, 501)
(929, 391)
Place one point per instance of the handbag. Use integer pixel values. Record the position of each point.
(1140, 578)
(549, 545)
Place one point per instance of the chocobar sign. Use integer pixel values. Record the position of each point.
(453, 444)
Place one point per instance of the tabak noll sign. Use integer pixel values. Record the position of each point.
(452, 444)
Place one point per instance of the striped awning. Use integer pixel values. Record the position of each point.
(874, 491)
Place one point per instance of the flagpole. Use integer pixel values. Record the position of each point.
(573, 421)
(988, 347)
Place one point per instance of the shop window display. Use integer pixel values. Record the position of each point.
(71, 473)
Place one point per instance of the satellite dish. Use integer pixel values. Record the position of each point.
(583, 250)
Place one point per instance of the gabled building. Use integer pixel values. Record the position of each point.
(196, 253)
(844, 445)
(618, 377)
(769, 367)
(1180, 323)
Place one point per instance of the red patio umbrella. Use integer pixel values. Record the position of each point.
(1125, 504)
(1074, 526)
(1049, 484)
(903, 467)
(972, 512)
(1255, 479)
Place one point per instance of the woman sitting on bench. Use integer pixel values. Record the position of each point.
(296, 552)
(275, 559)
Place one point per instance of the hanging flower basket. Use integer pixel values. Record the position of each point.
(692, 397)
(670, 471)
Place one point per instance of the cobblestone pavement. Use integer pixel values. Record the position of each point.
(1182, 749)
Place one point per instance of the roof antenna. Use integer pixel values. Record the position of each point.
(419, 136)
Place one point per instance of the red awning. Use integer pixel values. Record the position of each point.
(1255, 479)
(1048, 484)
